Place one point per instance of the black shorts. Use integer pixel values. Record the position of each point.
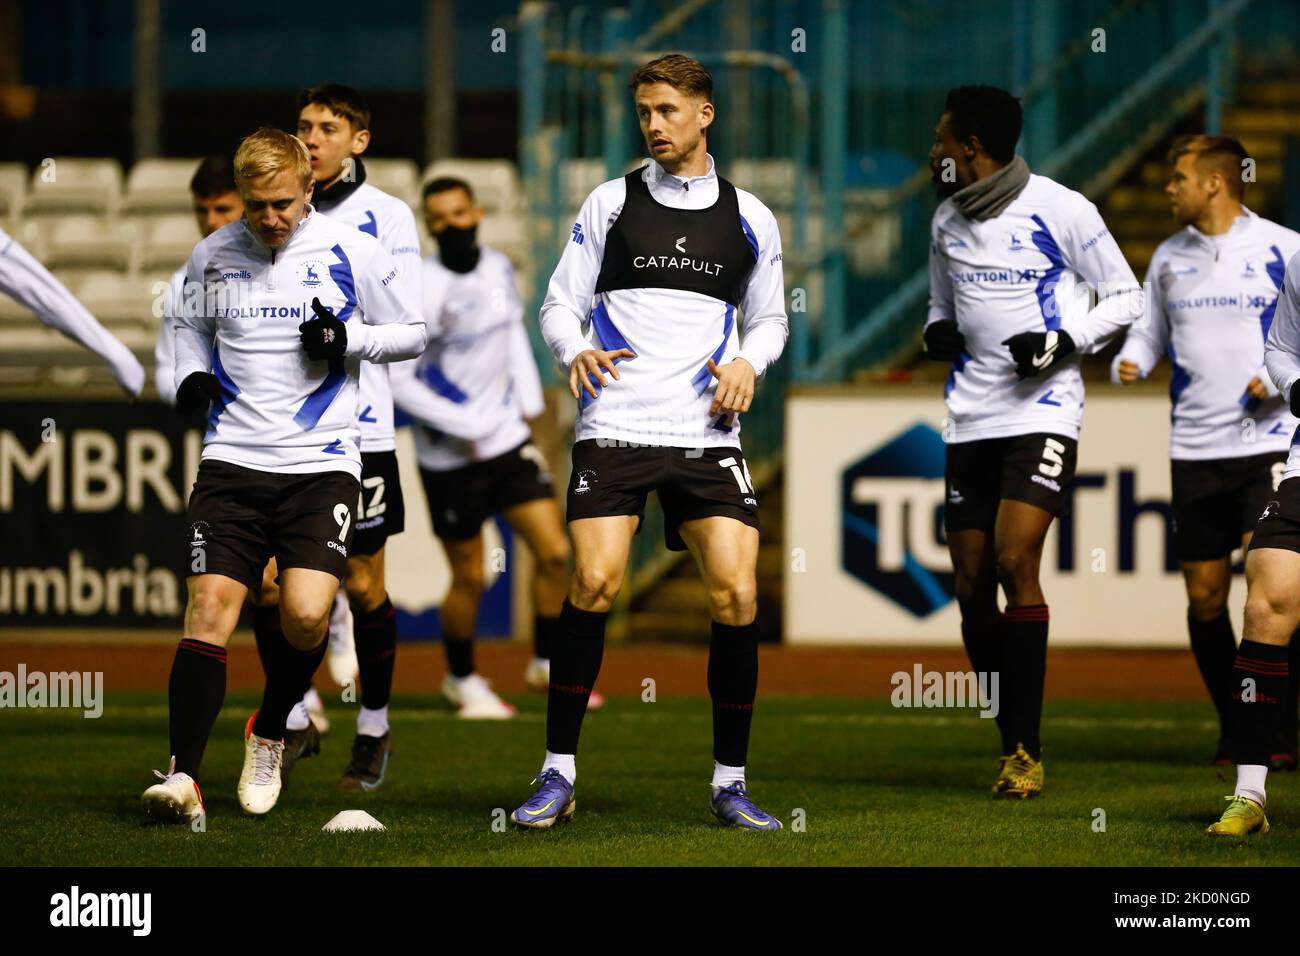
(381, 511)
(1279, 520)
(1036, 469)
(461, 499)
(1217, 501)
(612, 478)
(241, 517)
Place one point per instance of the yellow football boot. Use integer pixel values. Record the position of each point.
(1020, 777)
(1242, 818)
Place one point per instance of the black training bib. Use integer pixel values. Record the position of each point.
(653, 246)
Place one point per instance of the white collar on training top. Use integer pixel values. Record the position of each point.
(658, 175)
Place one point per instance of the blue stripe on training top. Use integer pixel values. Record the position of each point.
(610, 340)
(958, 364)
(749, 236)
(433, 376)
(1277, 273)
(341, 273)
(1046, 288)
(703, 376)
(228, 389)
(1180, 378)
(314, 407)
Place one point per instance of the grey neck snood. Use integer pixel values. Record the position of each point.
(990, 196)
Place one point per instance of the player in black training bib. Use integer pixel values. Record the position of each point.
(660, 266)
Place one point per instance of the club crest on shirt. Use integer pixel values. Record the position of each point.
(310, 272)
(1014, 244)
(1248, 272)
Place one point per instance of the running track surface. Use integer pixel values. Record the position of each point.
(677, 670)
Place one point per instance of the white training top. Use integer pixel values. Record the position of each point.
(1026, 270)
(672, 332)
(477, 382)
(391, 221)
(29, 283)
(1282, 350)
(1210, 302)
(280, 411)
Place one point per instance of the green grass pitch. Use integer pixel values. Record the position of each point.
(876, 786)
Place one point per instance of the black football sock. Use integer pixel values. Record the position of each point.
(575, 665)
(544, 631)
(1256, 718)
(1215, 648)
(268, 634)
(195, 693)
(733, 683)
(460, 655)
(1290, 719)
(285, 686)
(1025, 641)
(376, 637)
(982, 638)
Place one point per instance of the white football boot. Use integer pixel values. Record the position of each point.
(538, 677)
(475, 699)
(176, 800)
(259, 783)
(343, 645)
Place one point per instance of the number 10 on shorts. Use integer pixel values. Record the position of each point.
(742, 476)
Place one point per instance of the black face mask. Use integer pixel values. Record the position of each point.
(458, 248)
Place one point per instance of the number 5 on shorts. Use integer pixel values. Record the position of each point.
(1053, 464)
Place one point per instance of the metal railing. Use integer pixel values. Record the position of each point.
(1194, 68)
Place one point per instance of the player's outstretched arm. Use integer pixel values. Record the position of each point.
(393, 327)
(523, 369)
(766, 324)
(418, 399)
(943, 338)
(1091, 251)
(25, 280)
(195, 331)
(1147, 339)
(164, 350)
(573, 283)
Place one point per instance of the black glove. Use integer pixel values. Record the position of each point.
(198, 389)
(1036, 352)
(944, 341)
(1295, 398)
(324, 337)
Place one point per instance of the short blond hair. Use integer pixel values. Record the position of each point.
(269, 151)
